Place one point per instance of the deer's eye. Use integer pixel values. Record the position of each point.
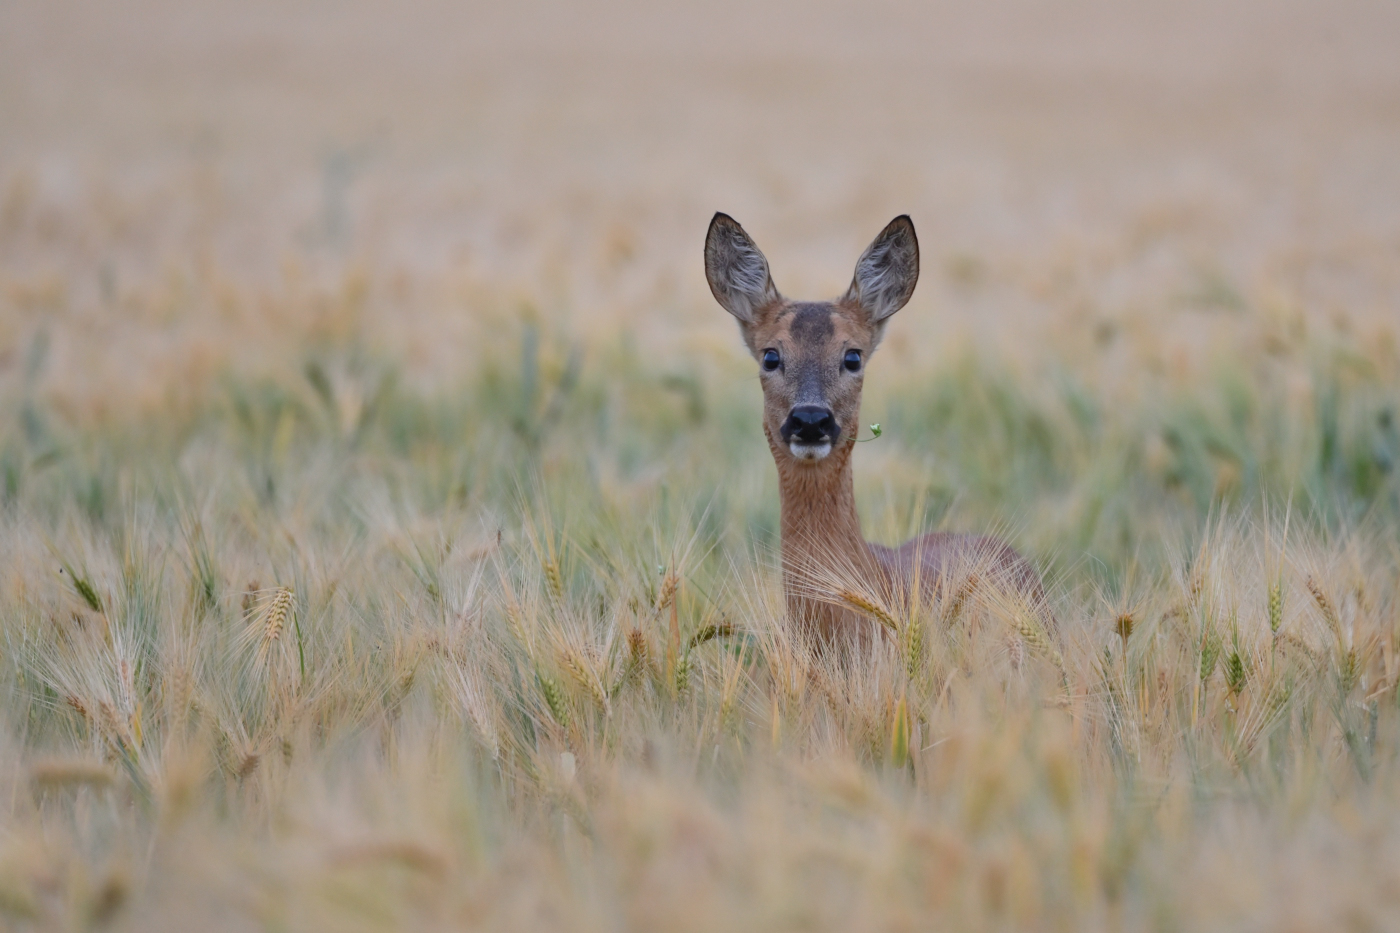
(771, 360)
(852, 361)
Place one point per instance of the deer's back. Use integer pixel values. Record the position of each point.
(941, 560)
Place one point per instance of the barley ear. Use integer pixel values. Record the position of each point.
(667, 593)
(899, 734)
(1276, 606)
(277, 611)
(1329, 612)
(869, 608)
(554, 699)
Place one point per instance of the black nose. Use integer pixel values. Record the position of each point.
(810, 424)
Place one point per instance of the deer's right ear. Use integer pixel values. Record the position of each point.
(887, 271)
(736, 270)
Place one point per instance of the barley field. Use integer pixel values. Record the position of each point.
(388, 540)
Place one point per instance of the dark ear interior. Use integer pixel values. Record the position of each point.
(736, 269)
(887, 271)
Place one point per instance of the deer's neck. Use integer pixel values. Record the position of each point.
(819, 507)
(820, 528)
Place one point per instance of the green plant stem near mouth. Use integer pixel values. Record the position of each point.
(875, 432)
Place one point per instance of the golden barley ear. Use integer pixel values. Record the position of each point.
(667, 593)
(869, 608)
(277, 612)
(1324, 605)
(585, 675)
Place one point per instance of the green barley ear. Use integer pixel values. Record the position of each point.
(84, 588)
(1210, 654)
(555, 581)
(1276, 605)
(1349, 671)
(914, 646)
(899, 734)
(554, 699)
(682, 674)
(1235, 673)
(710, 633)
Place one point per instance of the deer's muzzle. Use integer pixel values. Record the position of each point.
(810, 431)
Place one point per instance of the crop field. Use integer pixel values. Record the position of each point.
(388, 539)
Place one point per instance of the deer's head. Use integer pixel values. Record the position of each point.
(811, 354)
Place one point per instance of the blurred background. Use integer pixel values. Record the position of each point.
(334, 333)
(178, 179)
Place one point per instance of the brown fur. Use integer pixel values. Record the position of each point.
(820, 527)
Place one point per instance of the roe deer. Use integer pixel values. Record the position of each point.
(812, 357)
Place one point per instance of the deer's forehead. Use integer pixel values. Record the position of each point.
(814, 325)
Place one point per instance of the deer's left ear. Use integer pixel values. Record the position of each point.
(887, 271)
(737, 271)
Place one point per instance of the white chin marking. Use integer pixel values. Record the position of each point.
(812, 452)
